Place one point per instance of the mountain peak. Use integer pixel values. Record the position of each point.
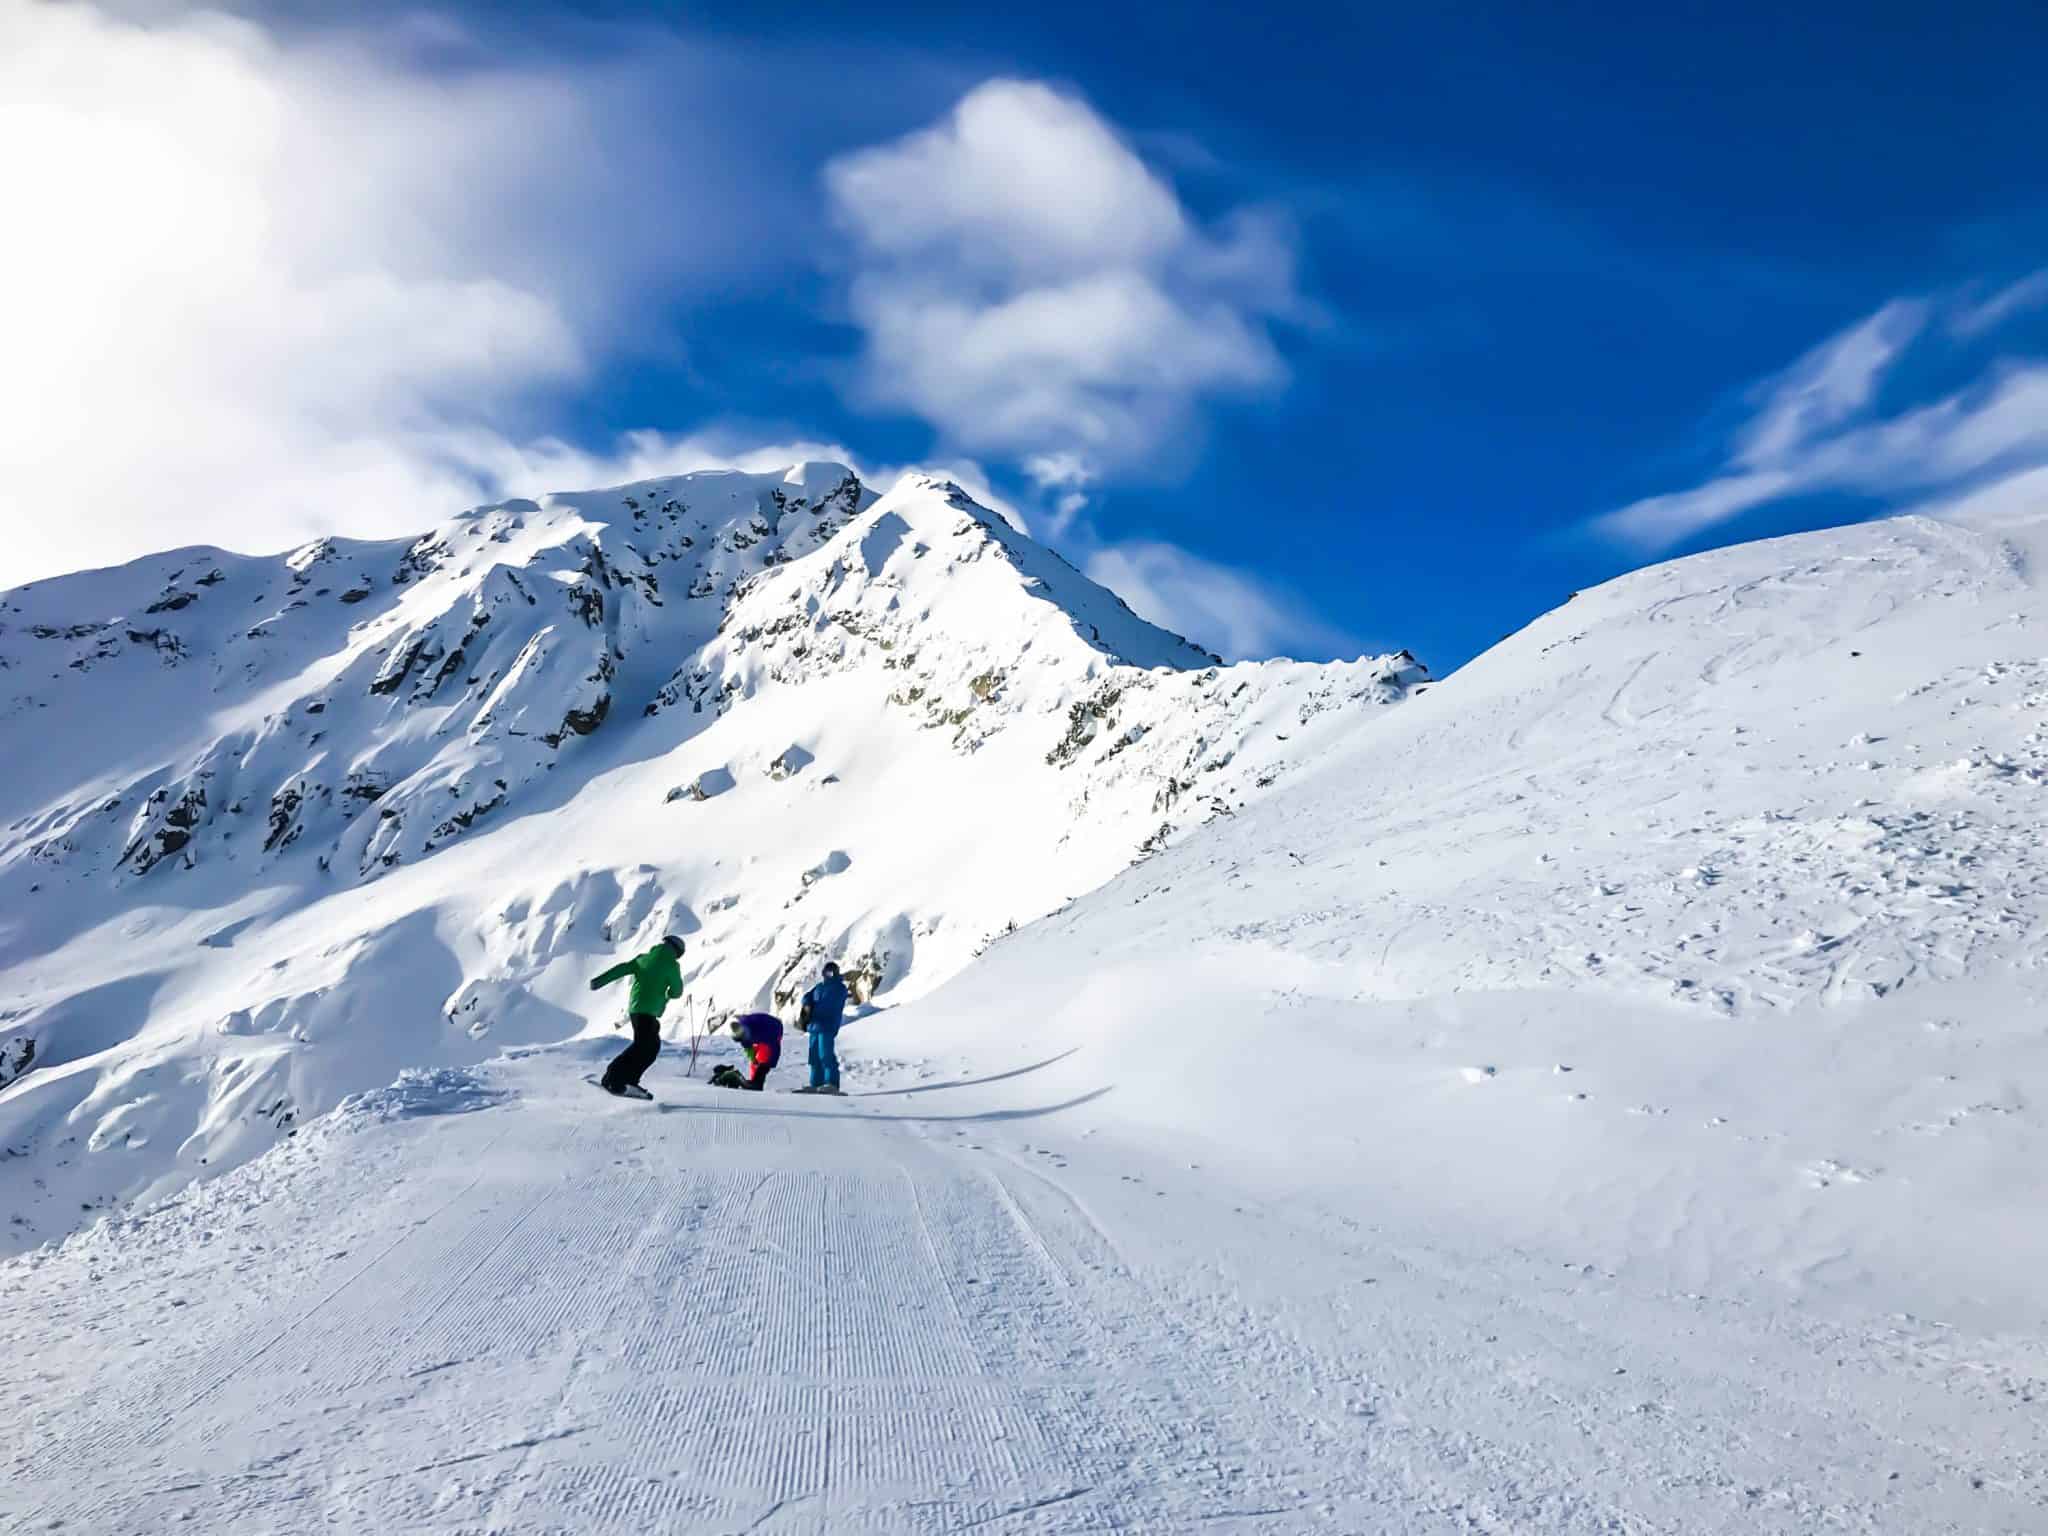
(775, 712)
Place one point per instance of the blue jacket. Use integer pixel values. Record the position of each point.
(827, 1004)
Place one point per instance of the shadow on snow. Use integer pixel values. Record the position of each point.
(668, 1108)
(965, 1082)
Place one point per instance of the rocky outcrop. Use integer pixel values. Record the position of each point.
(17, 1055)
(165, 826)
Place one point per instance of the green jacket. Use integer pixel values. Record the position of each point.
(656, 979)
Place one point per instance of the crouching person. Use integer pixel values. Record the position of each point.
(760, 1038)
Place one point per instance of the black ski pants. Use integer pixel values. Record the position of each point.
(636, 1058)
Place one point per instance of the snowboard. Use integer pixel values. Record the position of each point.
(635, 1092)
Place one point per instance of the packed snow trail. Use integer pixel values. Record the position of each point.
(933, 1305)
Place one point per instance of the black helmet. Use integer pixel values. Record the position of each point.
(674, 943)
(831, 968)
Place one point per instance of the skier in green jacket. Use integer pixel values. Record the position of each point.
(656, 979)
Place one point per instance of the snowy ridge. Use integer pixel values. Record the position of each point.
(1713, 953)
(435, 679)
(283, 828)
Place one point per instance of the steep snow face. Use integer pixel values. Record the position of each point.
(188, 706)
(276, 830)
(1695, 933)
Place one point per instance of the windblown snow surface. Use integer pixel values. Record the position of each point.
(1599, 1093)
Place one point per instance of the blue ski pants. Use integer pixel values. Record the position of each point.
(824, 1059)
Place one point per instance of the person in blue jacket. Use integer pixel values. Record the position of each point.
(824, 1011)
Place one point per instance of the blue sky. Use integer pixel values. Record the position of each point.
(1328, 328)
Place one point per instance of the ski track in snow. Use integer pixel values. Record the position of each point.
(723, 1313)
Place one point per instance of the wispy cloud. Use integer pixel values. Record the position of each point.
(2015, 498)
(1829, 386)
(1235, 612)
(1815, 426)
(2030, 292)
(1031, 287)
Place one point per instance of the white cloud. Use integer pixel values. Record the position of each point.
(2030, 292)
(2013, 499)
(1658, 522)
(1059, 471)
(642, 455)
(1229, 610)
(262, 284)
(1032, 288)
(259, 286)
(1018, 180)
(1815, 430)
(1828, 386)
(1064, 477)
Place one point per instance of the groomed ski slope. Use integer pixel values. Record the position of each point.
(1601, 1096)
(934, 1305)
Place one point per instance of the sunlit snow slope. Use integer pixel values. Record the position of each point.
(1598, 1095)
(1696, 931)
(272, 830)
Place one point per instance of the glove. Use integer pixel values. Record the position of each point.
(596, 985)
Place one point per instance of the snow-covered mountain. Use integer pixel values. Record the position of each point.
(1599, 1094)
(274, 829)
